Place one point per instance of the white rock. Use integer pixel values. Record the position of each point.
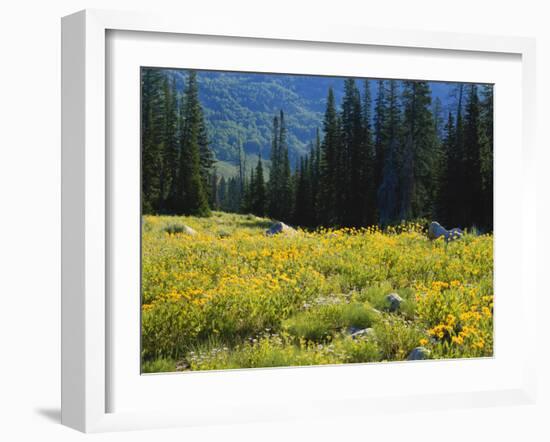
(188, 230)
(436, 230)
(366, 332)
(280, 227)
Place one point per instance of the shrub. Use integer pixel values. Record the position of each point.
(174, 227)
(396, 337)
(357, 350)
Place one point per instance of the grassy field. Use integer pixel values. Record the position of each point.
(231, 297)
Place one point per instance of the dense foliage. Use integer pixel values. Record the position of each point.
(373, 163)
(230, 297)
(176, 157)
(398, 165)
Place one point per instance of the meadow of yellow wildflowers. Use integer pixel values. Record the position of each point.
(231, 297)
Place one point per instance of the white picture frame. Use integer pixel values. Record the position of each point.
(86, 206)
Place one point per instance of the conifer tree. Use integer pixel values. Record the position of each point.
(315, 165)
(151, 143)
(330, 163)
(214, 195)
(486, 156)
(443, 201)
(192, 196)
(301, 195)
(456, 199)
(388, 192)
(379, 131)
(369, 176)
(473, 132)
(275, 172)
(353, 159)
(285, 204)
(169, 145)
(206, 154)
(248, 194)
(259, 198)
(222, 194)
(419, 152)
(439, 124)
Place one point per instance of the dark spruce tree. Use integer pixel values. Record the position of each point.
(274, 188)
(169, 146)
(353, 159)
(285, 203)
(443, 200)
(315, 165)
(486, 156)
(152, 104)
(419, 156)
(330, 164)
(206, 155)
(191, 194)
(456, 198)
(369, 216)
(302, 196)
(222, 194)
(473, 134)
(214, 197)
(259, 197)
(280, 180)
(379, 132)
(248, 194)
(388, 195)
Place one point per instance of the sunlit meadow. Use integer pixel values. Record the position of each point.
(231, 297)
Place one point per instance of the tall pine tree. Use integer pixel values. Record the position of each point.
(191, 193)
(420, 153)
(259, 197)
(330, 163)
(388, 193)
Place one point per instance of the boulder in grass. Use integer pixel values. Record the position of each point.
(179, 228)
(436, 230)
(189, 231)
(278, 228)
(394, 301)
(362, 333)
(419, 354)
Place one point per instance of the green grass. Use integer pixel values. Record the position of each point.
(158, 366)
(280, 350)
(322, 322)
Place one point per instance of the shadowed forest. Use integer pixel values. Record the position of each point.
(386, 153)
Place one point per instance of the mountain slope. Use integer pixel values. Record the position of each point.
(239, 107)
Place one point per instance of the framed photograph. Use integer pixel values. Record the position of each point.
(265, 224)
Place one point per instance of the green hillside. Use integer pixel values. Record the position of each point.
(239, 107)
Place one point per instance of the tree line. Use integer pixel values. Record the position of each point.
(375, 160)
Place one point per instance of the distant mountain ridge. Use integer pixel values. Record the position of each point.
(239, 107)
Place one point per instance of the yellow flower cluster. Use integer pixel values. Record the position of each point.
(459, 317)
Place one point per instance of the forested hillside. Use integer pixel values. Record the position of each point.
(239, 108)
(341, 152)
